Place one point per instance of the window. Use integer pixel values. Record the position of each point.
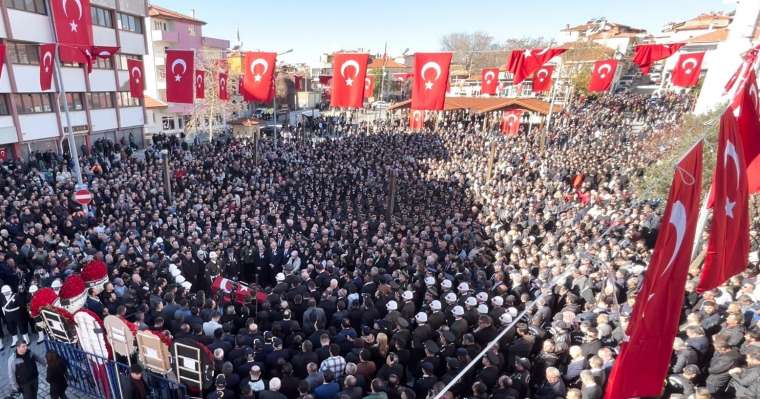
(101, 17)
(22, 53)
(121, 60)
(191, 30)
(4, 109)
(101, 63)
(37, 6)
(167, 122)
(124, 99)
(129, 23)
(100, 100)
(160, 25)
(33, 103)
(73, 100)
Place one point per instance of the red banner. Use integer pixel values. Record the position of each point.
(298, 82)
(489, 80)
(687, 70)
(136, 80)
(349, 71)
(416, 119)
(2, 58)
(47, 63)
(73, 28)
(728, 246)
(432, 72)
(200, 84)
(515, 60)
(644, 360)
(647, 54)
(531, 61)
(223, 94)
(510, 121)
(369, 87)
(259, 73)
(179, 76)
(542, 79)
(749, 124)
(602, 75)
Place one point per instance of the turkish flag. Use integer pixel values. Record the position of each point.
(542, 79)
(369, 86)
(136, 80)
(515, 59)
(349, 71)
(259, 73)
(748, 103)
(531, 61)
(644, 359)
(73, 28)
(489, 80)
(179, 76)
(647, 54)
(510, 121)
(432, 72)
(223, 94)
(298, 82)
(416, 119)
(89, 53)
(200, 84)
(743, 70)
(728, 246)
(403, 76)
(687, 70)
(602, 75)
(47, 63)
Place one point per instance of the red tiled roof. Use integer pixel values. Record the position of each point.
(151, 102)
(488, 104)
(718, 35)
(377, 63)
(156, 11)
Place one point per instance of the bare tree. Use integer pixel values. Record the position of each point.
(480, 50)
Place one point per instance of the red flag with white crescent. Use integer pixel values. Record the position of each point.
(47, 52)
(369, 86)
(432, 77)
(349, 71)
(416, 119)
(687, 70)
(647, 54)
(515, 59)
(510, 121)
(728, 246)
(73, 28)
(223, 94)
(656, 314)
(179, 76)
(136, 82)
(748, 103)
(531, 61)
(542, 79)
(200, 84)
(258, 80)
(489, 80)
(602, 75)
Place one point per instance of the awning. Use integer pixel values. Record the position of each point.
(489, 104)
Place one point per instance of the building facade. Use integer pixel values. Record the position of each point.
(101, 108)
(171, 30)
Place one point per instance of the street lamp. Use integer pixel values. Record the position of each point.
(274, 102)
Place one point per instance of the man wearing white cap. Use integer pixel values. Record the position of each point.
(460, 325)
(423, 332)
(436, 318)
(471, 310)
(408, 309)
(393, 313)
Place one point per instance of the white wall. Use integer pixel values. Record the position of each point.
(30, 27)
(73, 78)
(7, 130)
(28, 78)
(2, 27)
(5, 81)
(103, 36)
(78, 118)
(103, 119)
(38, 126)
(123, 80)
(102, 80)
(136, 7)
(104, 3)
(132, 116)
(132, 43)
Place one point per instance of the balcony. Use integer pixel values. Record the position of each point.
(165, 36)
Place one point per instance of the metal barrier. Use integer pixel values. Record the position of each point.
(101, 378)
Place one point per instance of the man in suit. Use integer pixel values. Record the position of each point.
(590, 389)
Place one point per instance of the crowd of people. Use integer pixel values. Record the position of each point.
(388, 293)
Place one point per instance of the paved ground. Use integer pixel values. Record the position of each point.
(44, 391)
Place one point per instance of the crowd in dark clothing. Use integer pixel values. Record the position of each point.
(365, 303)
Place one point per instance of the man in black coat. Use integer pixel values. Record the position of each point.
(724, 359)
(684, 356)
(590, 389)
(274, 390)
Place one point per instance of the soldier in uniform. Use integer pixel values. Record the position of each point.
(11, 306)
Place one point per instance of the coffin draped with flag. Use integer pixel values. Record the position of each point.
(644, 359)
(235, 291)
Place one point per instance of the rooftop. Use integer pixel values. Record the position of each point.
(161, 12)
(710, 20)
(488, 104)
(151, 102)
(379, 62)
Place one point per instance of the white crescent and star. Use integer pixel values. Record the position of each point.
(678, 220)
(45, 57)
(178, 61)
(262, 62)
(349, 63)
(602, 68)
(542, 74)
(73, 25)
(689, 61)
(199, 80)
(416, 115)
(434, 66)
(487, 74)
(730, 151)
(139, 73)
(367, 83)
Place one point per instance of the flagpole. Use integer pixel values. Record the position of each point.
(62, 93)
(551, 106)
(382, 78)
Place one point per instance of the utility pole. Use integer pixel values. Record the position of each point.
(491, 159)
(382, 78)
(551, 107)
(73, 152)
(393, 174)
(274, 99)
(167, 177)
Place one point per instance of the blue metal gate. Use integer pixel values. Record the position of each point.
(101, 378)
